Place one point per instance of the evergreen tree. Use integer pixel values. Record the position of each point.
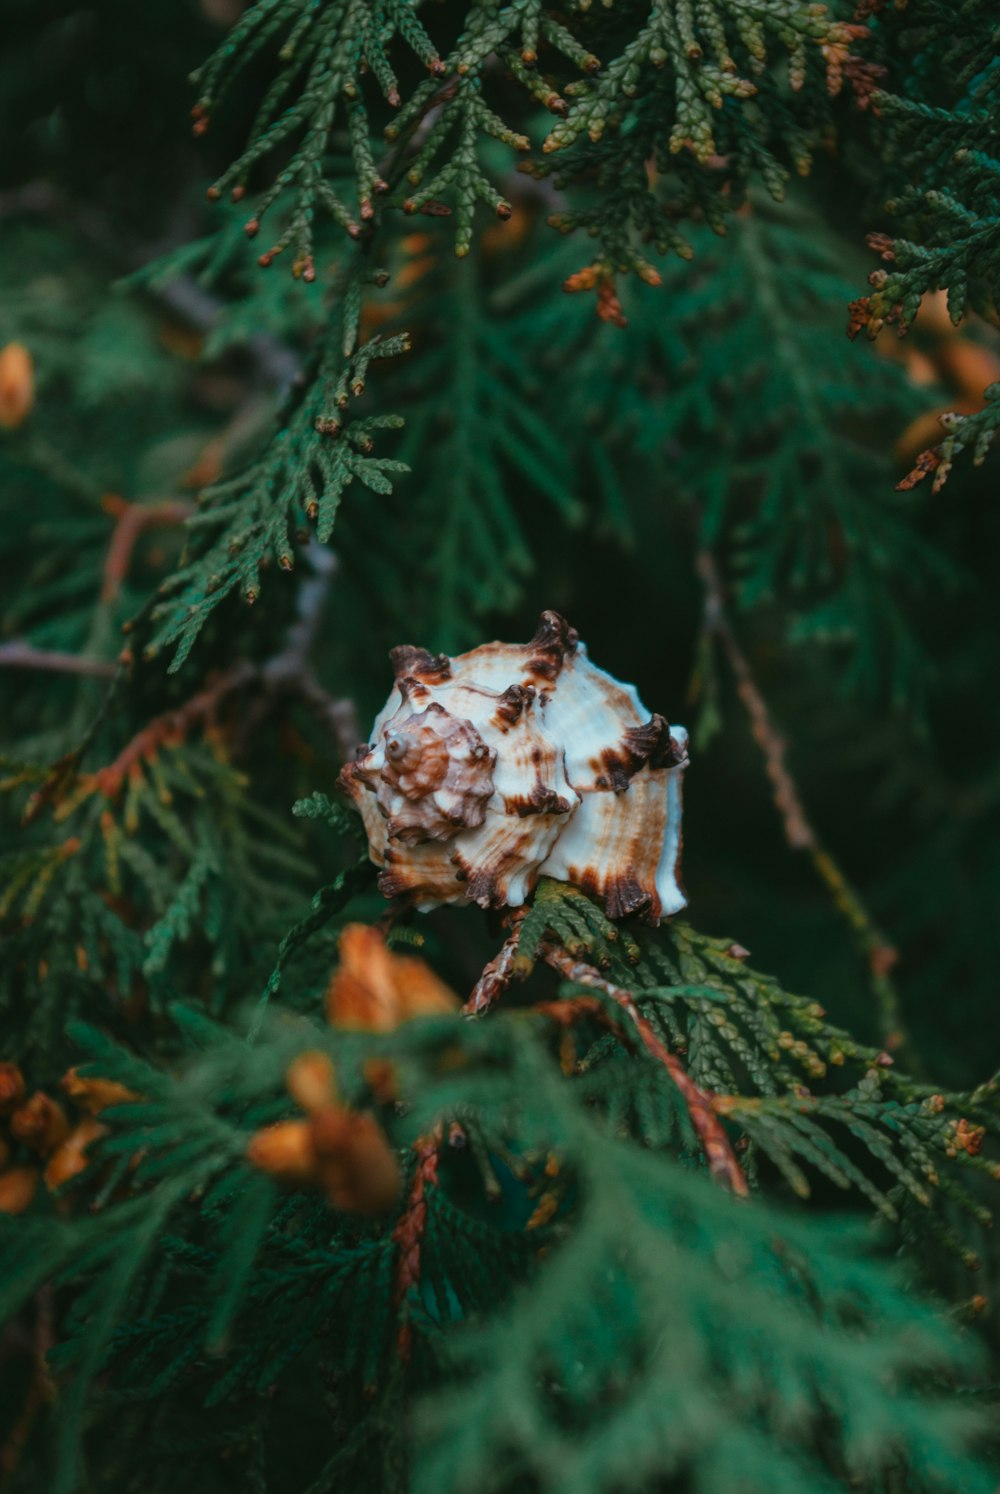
(494, 309)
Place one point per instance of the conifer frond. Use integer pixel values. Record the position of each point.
(940, 141)
(596, 1378)
(461, 535)
(136, 867)
(257, 518)
(687, 80)
(642, 1284)
(719, 406)
(801, 1090)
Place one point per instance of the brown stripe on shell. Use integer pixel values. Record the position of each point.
(484, 887)
(394, 883)
(624, 896)
(541, 800)
(487, 877)
(413, 690)
(511, 704)
(624, 879)
(621, 895)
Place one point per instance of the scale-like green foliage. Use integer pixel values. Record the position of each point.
(255, 518)
(162, 853)
(659, 83)
(748, 1331)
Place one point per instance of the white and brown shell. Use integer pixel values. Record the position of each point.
(517, 761)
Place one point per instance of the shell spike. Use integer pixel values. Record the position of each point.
(409, 661)
(514, 700)
(554, 641)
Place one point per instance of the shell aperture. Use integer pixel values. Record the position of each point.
(511, 762)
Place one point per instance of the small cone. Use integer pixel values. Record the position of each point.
(17, 385)
(12, 1087)
(95, 1095)
(71, 1158)
(40, 1124)
(375, 990)
(17, 1188)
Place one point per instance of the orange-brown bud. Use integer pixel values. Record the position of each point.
(356, 1167)
(415, 269)
(343, 1152)
(95, 1095)
(285, 1151)
(17, 1188)
(965, 1137)
(71, 1158)
(17, 385)
(546, 1207)
(967, 366)
(12, 1088)
(40, 1123)
(584, 279)
(375, 990)
(609, 308)
(382, 1079)
(311, 1081)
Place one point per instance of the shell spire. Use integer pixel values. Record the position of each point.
(489, 770)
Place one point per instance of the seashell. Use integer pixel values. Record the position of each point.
(517, 761)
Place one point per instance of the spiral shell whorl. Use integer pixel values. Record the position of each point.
(514, 761)
(432, 774)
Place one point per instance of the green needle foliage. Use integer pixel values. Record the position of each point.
(560, 324)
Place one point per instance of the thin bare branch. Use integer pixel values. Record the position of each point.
(21, 655)
(879, 952)
(497, 975)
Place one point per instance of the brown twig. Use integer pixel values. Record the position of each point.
(171, 726)
(880, 954)
(408, 1234)
(498, 974)
(20, 655)
(710, 1130)
(131, 521)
